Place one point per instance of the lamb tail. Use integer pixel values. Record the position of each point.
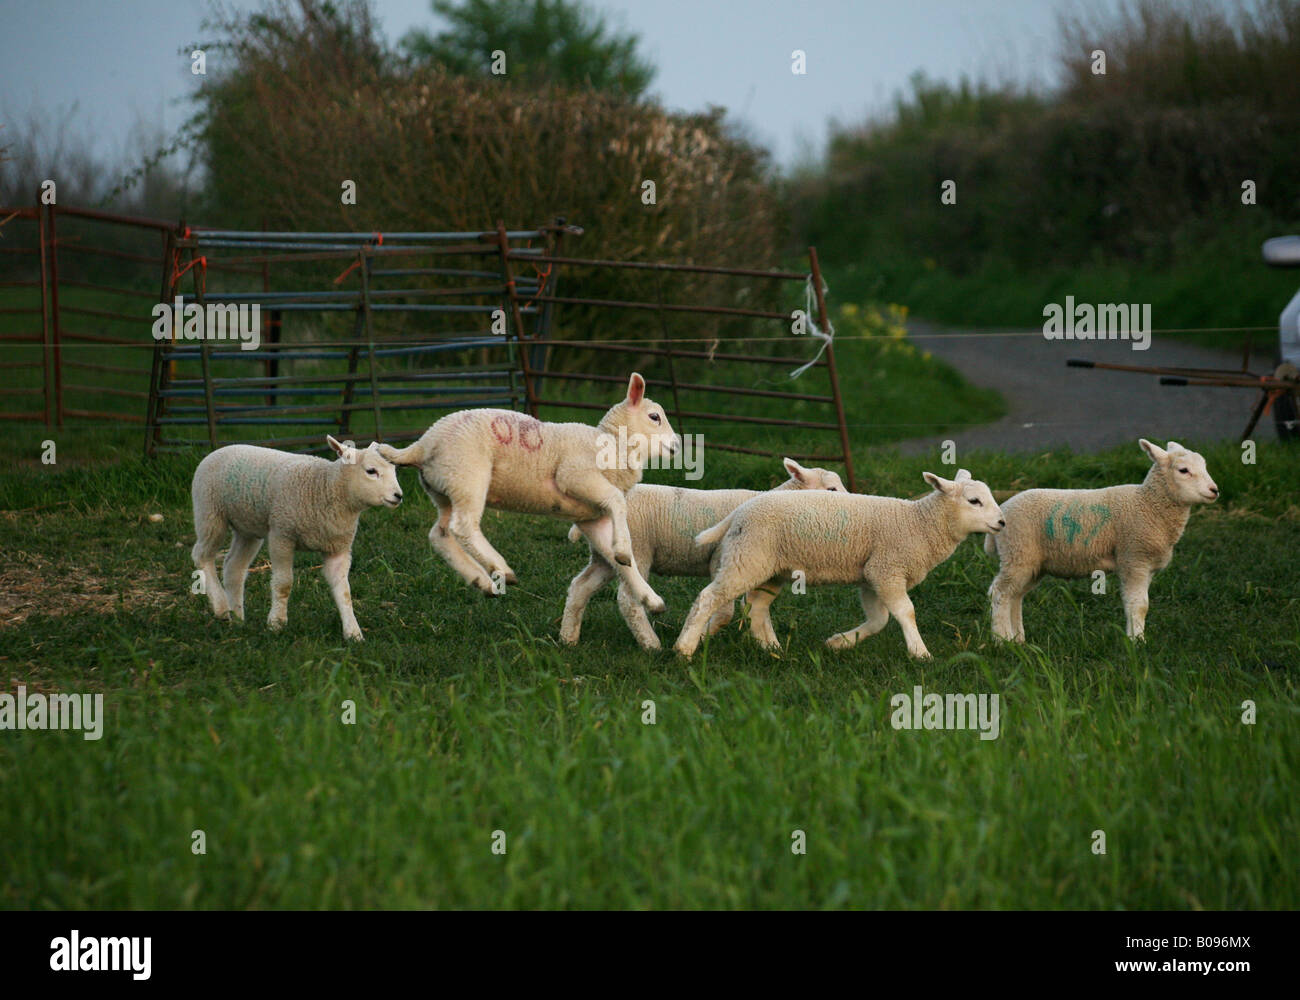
(711, 536)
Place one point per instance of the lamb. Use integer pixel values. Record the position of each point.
(883, 544)
(293, 502)
(1071, 533)
(663, 522)
(510, 461)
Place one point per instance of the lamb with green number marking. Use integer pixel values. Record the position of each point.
(1129, 529)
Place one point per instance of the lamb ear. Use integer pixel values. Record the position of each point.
(938, 482)
(1156, 453)
(797, 471)
(338, 448)
(962, 476)
(635, 389)
(1174, 446)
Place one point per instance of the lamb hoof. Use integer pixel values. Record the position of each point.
(841, 640)
(568, 639)
(686, 651)
(650, 644)
(655, 604)
(354, 636)
(920, 654)
(275, 624)
(510, 576)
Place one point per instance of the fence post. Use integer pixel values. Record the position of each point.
(349, 386)
(157, 371)
(46, 359)
(824, 324)
(57, 368)
(503, 244)
(370, 341)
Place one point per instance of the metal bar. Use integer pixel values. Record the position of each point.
(690, 268)
(205, 355)
(701, 387)
(57, 357)
(1229, 382)
(95, 338)
(450, 272)
(157, 371)
(235, 393)
(129, 393)
(257, 235)
(271, 365)
(46, 342)
(345, 421)
(349, 296)
(824, 323)
(1255, 414)
(107, 252)
(709, 310)
(706, 355)
(370, 336)
(328, 255)
(127, 418)
(107, 288)
(1154, 369)
(103, 314)
(522, 347)
(140, 222)
(702, 415)
(114, 369)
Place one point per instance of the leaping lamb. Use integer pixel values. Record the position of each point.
(510, 461)
(1130, 529)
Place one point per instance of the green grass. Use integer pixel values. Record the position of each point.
(470, 719)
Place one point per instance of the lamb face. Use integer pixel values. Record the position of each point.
(1185, 476)
(371, 479)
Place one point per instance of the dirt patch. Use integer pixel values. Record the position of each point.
(31, 584)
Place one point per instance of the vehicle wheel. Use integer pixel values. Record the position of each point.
(1284, 407)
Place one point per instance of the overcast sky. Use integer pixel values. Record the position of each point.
(120, 62)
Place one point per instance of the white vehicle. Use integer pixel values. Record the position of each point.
(1284, 251)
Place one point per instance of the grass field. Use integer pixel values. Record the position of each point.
(470, 719)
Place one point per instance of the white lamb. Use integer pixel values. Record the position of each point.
(883, 544)
(293, 502)
(663, 522)
(1070, 533)
(510, 461)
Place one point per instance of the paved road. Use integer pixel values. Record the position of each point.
(1050, 405)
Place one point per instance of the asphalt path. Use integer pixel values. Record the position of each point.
(1052, 406)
